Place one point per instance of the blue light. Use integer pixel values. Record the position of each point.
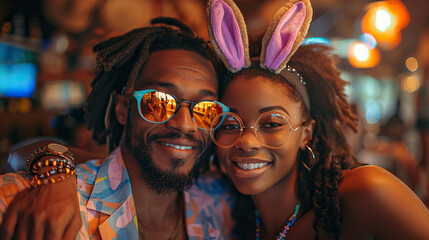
(17, 80)
(372, 111)
(316, 40)
(369, 40)
(18, 71)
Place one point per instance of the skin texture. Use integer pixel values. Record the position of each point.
(185, 78)
(373, 201)
(249, 103)
(29, 219)
(186, 75)
(32, 219)
(274, 183)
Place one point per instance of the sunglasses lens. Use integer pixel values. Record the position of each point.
(225, 130)
(204, 112)
(157, 106)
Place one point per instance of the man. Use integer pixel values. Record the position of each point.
(139, 190)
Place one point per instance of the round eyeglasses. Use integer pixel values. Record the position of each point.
(159, 107)
(272, 129)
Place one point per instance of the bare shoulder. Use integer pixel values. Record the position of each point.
(369, 179)
(373, 186)
(382, 205)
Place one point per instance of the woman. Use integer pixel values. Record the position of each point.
(294, 160)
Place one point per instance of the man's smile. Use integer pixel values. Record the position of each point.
(180, 147)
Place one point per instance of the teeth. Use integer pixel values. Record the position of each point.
(250, 166)
(177, 146)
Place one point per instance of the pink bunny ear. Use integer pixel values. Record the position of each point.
(228, 34)
(285, 33)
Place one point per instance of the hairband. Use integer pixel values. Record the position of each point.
(288, 28)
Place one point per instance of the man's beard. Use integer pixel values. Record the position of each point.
(160, 181)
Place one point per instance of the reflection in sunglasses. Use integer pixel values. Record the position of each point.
(158, 107)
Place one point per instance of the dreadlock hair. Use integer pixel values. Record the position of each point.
(120, 61)
(318, 188)
(332, 113)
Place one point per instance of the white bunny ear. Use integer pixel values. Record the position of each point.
(228, 34)
(285, 33)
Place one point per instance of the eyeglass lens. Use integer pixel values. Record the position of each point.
(272, 129)
(158, 107)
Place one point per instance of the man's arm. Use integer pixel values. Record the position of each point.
(49, 211)
(45, 212)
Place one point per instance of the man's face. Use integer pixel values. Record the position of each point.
(168, 152)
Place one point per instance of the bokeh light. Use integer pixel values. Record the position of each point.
(316, 40)
(412, 64)
(410, 83)
(372, 111)
(383, 20)
(369, 40)
(361, 56)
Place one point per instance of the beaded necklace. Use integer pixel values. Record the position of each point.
(282, 234)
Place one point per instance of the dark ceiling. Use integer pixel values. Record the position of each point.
(331, 19)
(341, 19)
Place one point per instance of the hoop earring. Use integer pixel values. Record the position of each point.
(313, 161)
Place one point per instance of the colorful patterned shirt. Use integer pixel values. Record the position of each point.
(107, 204)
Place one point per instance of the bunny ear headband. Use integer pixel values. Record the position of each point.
(228, 34)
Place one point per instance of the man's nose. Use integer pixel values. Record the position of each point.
(182, 120)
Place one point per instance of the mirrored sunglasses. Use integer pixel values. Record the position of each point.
(158, 107)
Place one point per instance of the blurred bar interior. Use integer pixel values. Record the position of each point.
(46, 67)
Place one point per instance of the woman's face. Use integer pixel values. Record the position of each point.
(249, 98)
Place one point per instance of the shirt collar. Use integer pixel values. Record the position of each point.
(112, 185)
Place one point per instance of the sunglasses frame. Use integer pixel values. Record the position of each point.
(253, 127)
(138, 95)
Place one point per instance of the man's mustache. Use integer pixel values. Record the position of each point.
(176, 135)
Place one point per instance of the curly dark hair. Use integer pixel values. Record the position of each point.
(332, 113)
(120, 61)
(318, 189)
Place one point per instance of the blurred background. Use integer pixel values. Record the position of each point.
(47, 65)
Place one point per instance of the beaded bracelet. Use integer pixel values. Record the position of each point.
(52, 149)
(60, 166)
(51, 176)
(52, 162)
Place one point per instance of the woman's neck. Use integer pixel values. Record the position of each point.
(276, 205)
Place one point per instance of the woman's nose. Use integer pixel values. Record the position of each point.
(248, 140)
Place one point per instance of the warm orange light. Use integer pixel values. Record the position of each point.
(385, 20)
(412, 64)
(361, 55)
(410, 83)
(400, 13)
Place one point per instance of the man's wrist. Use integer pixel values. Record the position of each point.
(59, 156)
(50, 164)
